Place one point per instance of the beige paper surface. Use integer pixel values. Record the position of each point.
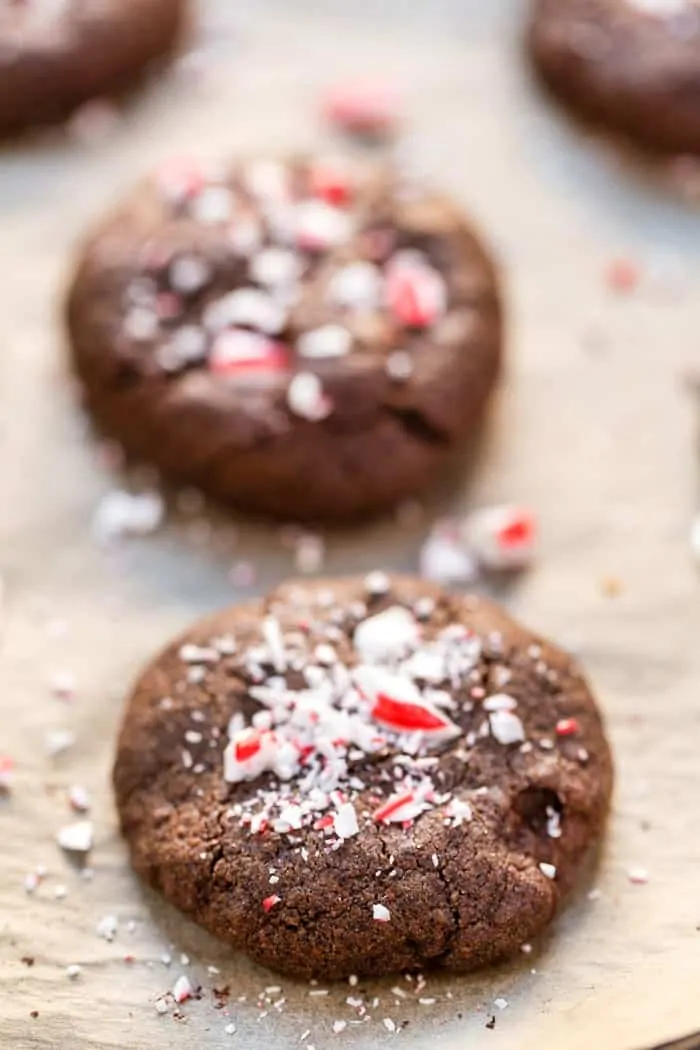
(593, 431)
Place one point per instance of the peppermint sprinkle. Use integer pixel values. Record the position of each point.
(270, 902)
(306, 398)
(76, 838)
(78, 798)
(380, 913)
(345, 822)
(73, 971)
(638, 876)
(107, 928)
(548, 870)
(188, 274)
(182, 989)
(506, 728)
(332, 340)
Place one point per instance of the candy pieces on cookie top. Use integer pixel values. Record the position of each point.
(356, 705)
(269, 267)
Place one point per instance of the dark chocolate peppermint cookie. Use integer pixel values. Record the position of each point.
(56, 55)
(631, 65)
(302, 339)
(362, 777)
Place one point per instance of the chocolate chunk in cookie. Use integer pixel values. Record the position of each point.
(56, 55)
(363, 776)
(632, 66)
(304, 339)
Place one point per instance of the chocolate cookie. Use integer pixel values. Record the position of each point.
(631, 65)
(302, 339)
(363, 776)
(57, 54)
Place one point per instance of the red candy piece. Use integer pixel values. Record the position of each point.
(405, 717)
(393, 805)
(363, 108)
(517, 532)
(247, 746)
(269, 902)
(331, 185)
(239, 352)
(567, 727)
(415, 295)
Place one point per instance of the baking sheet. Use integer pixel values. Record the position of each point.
(593, 430)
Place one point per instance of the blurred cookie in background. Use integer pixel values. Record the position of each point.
(304, 338)
(631, 66)
(58, 55)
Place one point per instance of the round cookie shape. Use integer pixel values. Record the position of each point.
(56, 55)
(363, 776)
(633, 66)
(303, 338)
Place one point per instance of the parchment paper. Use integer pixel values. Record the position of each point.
(593, 430)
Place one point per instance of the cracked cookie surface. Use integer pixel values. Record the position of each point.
(363, 776)
(56, 55)
(304, 338)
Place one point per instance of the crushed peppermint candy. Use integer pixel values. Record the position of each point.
(76, 838)
(548, 870)
(380, 913)
(501, 537)
(306, 398)
(182, 989)
(444, 558)
(506, 727)
(107, 928)
(78, 798)
(122, 514)
(332, 340)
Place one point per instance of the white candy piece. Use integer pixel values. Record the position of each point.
(444, 560)
(107, 927)
(380, 913)
(387, 636)
(331, 340)
(122, 514)
(188, 274)
(357, 285)
(548, 870)
(500, 702)
(320, 225)
(345, 822)
(275, 266)
(506, 727)
(76, 838)
(485, 533)
(246, 306)
(306, 398)
(215, 204)
(79, 798)
(182, 989)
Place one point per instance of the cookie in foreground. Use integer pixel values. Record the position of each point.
(632, 66)
(301, 338)
(56, 55)
(363, 776)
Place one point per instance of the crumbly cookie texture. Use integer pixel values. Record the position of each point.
(363, 776)
(305, 338)
(633, 66)
(56, 55)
